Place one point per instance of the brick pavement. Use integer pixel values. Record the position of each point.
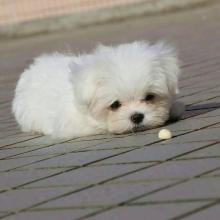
(129, 176)
(26, 10)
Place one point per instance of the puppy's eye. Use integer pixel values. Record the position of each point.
(115, 105)
(149, 97)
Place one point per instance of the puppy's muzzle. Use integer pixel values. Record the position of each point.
(137, 118)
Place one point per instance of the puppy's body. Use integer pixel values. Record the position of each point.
(45, 101)
(70, 96)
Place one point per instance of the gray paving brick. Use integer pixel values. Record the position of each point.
(214, 173)
(85, 176)
(11, 163)
(208, 134)
(210, 114)
(53, 215)
(74, 159)
(211, 100)
(3, 214)
(194, 113)
(199, 189)
(191, 90)
(215, 126)
(14, 200)
(194, 90)
(71, 146)
(24, 146)
(105, 195)
(26, 140)
(211, 213)
(6, 134)
(192, 124)
(199, 97)
(13, 140)
(172, 170)
(64, 160)
(42, 148)
(129, 141)
(155, 153)
(212, 151)
(156, 211)
(14, 151)
(191, 99)
(13, 179)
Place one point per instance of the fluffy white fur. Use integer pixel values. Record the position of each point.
(69, 96)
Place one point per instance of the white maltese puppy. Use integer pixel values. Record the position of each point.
(126, 88)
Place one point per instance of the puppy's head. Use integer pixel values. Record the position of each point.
(130, 87)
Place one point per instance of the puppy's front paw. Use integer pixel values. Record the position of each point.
(177, 110)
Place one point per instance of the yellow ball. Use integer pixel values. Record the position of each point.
(164, 134)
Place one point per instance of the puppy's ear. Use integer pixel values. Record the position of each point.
(84, 83)
(169, 64)
(176, 111)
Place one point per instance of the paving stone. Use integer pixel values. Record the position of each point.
(92, 138)
(35, 141)
(197, 98)
(128, 141)
(211, 213)
(70, 159)
(13, 179)
(193, 90)
(215, 126)
(75, 159)
(26, 140)
(54, 214)
(154, 153)
(12, 164)
(156, 211)
(211, 151)
(194, 113)
(7, 134)
(86, 176)
(214, 173)
(14, 151)
(108, 194)
(192, 124)
(199, 189)
(215, 112)
(54, 149)
(42, 148)
(172, 170)
(208, 134)
(10, 141)
(3, 214)
(15, 200)
(215, 99)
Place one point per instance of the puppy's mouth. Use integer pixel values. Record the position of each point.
(138, 128)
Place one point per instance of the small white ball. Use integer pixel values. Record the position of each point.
(164, 134)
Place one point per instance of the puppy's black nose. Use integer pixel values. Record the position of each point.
(137, 118)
